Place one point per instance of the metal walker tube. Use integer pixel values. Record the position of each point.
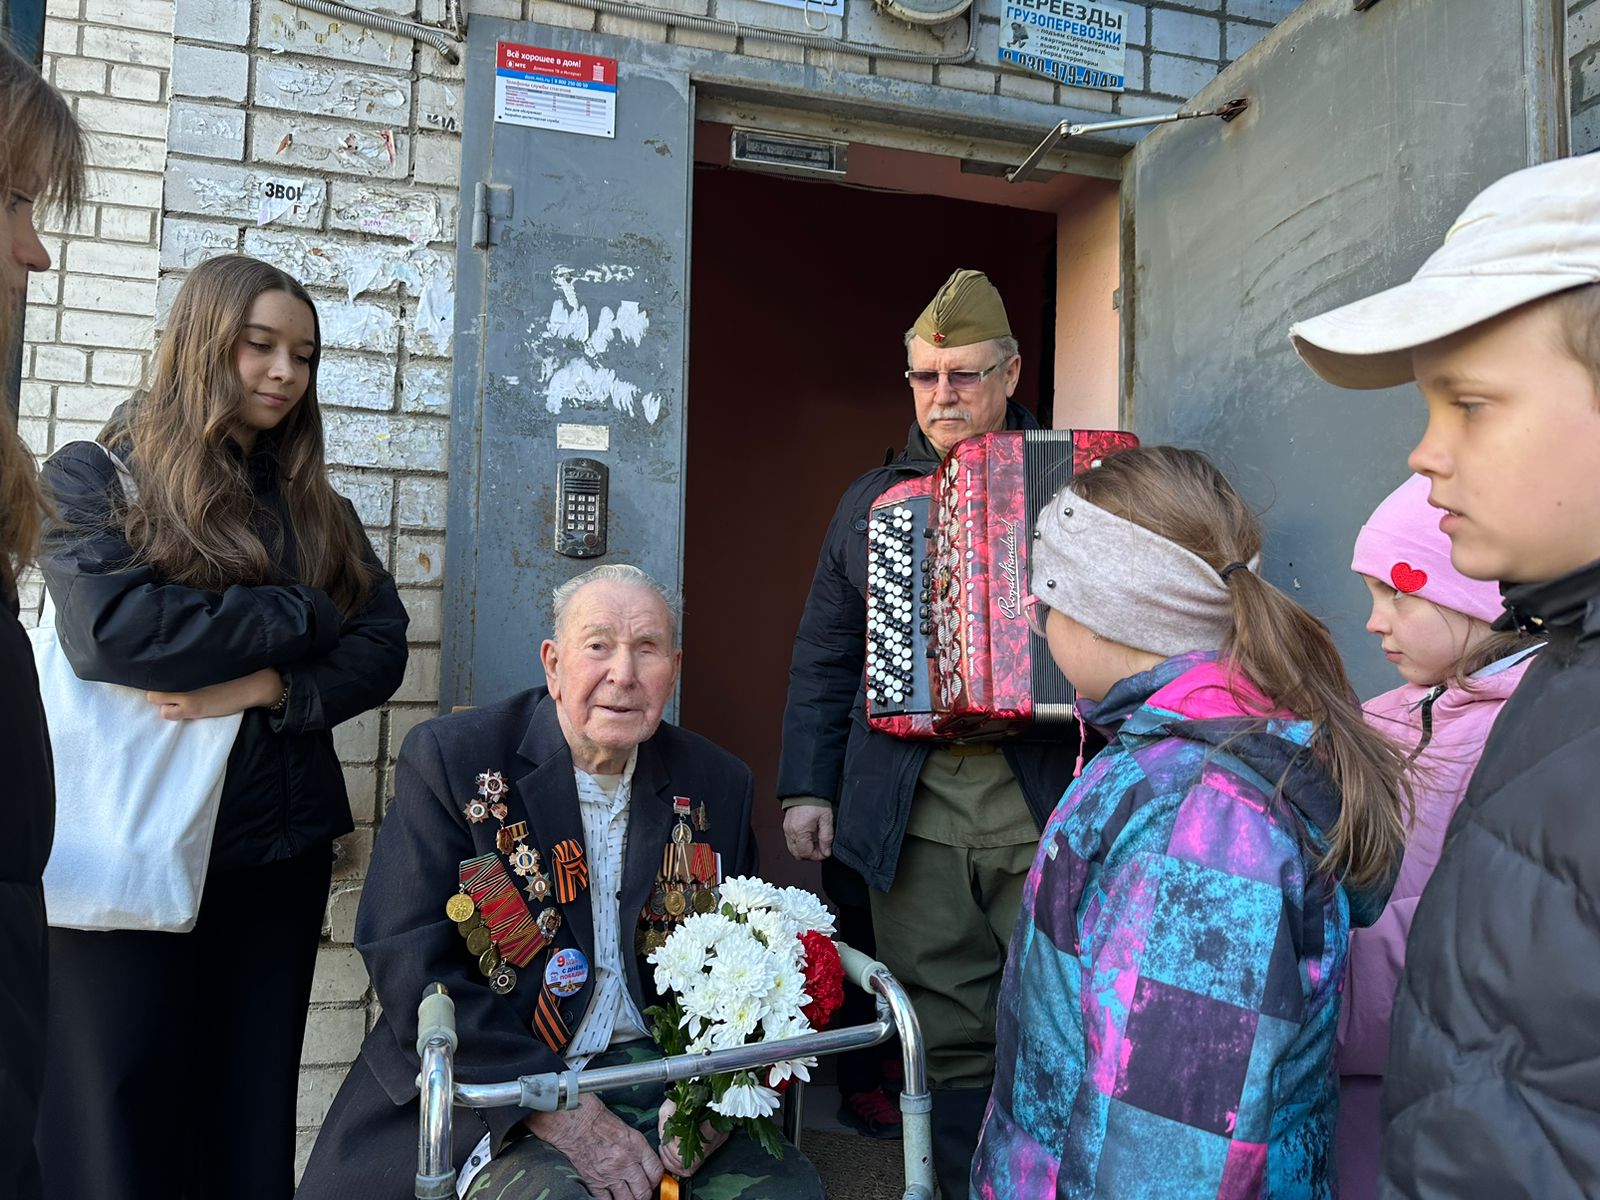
(436, 1044)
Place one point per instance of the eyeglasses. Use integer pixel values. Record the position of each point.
(962, 381)
(1036, 612)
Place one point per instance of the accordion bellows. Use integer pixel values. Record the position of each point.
(950, 654)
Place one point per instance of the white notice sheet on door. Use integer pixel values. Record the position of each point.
(555, 89)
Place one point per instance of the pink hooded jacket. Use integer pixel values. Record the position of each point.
(1461, 722)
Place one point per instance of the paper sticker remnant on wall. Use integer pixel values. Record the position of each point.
(277, 197)
(583, 437)
(555, 89)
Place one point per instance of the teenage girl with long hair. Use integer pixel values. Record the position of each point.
(41, 166)
(230, 578)
(1169, 1008)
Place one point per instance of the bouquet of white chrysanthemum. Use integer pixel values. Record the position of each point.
(759, 967)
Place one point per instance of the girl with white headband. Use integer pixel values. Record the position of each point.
(1170, 1002)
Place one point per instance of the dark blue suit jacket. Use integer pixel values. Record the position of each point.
(367, 1147)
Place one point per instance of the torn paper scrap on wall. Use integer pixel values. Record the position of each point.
(571, 348)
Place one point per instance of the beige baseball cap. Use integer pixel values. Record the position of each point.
(1532, 234)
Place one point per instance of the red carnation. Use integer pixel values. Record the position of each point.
(824, 978)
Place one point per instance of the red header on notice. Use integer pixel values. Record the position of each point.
(556, 64)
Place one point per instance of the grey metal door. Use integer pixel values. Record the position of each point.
(570, 343)
(1367, 133)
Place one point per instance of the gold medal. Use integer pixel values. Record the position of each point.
(489, 962)
(460, 907)
(677, 905)
(479, 940)
(705, 900)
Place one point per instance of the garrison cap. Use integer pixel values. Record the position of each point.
(966, 310)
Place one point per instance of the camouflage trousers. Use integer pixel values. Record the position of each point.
(739, 1170)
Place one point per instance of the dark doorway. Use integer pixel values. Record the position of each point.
(800, 294)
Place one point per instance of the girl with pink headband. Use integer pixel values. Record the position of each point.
(1433, 624)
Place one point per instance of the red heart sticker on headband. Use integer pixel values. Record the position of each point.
(1407, 578)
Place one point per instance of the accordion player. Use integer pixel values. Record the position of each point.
(950, 654)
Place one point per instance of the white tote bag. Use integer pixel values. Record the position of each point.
(136, 797)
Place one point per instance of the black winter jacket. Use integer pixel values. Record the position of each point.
(828, 749)
(284, 793)
(29, 815)
(1493, 1086)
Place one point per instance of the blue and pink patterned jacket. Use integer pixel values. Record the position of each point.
(1170, 1004)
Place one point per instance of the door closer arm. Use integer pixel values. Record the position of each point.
(1067, 129)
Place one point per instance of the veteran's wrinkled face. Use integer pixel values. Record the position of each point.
(611, 669)
(946, 412)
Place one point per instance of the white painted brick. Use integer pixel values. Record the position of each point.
(214, 189)
(84, 402)
(440, 105)
(351, 854)
(371, 493)
(39, 325)
(44, 287)
(1137, 30)
(1131, 105)
(166, 292)
(361, 786)
(628, 27)
(1239, 37)
(349, 380)
(1027, 87)
(871, 26)
(1092, 99)
(117, 368)
(343, 905)
(317, 1088)
(910, 72)
(214, 20)
(546, 12)
(1256, 10)
(283, 28)
(423, 606)
(333, 91)
(104, 293)
(68, 9)
(33, 400)
(100, 329)
(80, 75)
(207, 73)
(511, 9)
(293, 140)
(832, 60)
(1135, 73)
(62, 363)
(120, 187)
(1179, 77)
(423, 502)
(136, 83)
(369, 439)
(359, 326)
(186, 243)
(99, 258)
(1586, 130)
(99, 115)
(402, 719)
(126, 224)
(421, 681)
(206, 130)
(119, 152)
(61, 37)
(1189, 34)
(788, 20)
(410, 213)
(333, 1035)
(703, 39)
(967, 79)
(64, 431)
(35, 433)
(425, 387)
(154, 15)
(126, 46)
(776, 51)
(418, 560)
(438, 159)
(356, 740)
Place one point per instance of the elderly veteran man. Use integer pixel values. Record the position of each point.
(522, 850)
(942, 833)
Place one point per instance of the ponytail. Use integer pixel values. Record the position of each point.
(1275, 647)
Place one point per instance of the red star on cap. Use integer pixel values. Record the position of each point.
(938, 338)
